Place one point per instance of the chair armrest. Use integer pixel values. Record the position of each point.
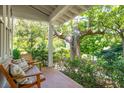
(30, 62)
(37, 74)
(34, 74)
(34, 63)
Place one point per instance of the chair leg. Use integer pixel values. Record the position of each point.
(38, 81)
(40, 66)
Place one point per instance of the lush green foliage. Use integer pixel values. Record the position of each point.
(101, 74)
(41, 53)
(61, 54)
(115, 71)
(106, 47)
(81, 72)
(112, 54)
(29, 35)
(16, 54)
(33, 39)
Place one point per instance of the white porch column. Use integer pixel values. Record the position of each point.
(9, 30)
(50, 46)
(12, 32)
(12, 36)
(4, 30)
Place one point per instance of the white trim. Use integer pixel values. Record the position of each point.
(2, 38)
(12, 32)
(50, 46)
(6, 56)
(7, 30)
(4, 29)
(9, 14)
(0, 59)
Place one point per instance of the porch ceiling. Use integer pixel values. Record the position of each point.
(54, 13)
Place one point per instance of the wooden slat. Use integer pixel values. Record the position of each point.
(56, 79)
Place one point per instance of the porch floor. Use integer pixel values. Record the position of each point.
(56, 79)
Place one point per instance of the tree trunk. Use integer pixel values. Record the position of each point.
(122, 37)
(78, 49)
(75, 48)
(72, 50)
(123, 47)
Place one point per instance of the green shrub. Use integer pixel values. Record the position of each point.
(115, 71)
(16, 54)
(112, 54)
(61, 54)
(82, 72)
(40, 53)
(101, 74)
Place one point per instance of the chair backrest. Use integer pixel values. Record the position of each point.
(4, 70)
(27, 56)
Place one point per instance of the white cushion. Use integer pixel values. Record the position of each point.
(16, 61)
(22, 63)
(17, 71)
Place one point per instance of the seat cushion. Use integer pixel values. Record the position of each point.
(22, 63)
(15, 71)
(32, 71)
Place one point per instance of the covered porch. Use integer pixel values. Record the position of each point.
(53, 15)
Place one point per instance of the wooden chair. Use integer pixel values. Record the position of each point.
(34, 74)
(30, 60)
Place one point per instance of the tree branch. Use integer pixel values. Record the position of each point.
(90, 32)
(58, 34)
(61, 36)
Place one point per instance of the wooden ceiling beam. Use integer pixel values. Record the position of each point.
(75, 11)
(69, 14)
(48, 8)
(84, 7)
(58, 21)
(40, 9)
(61, 20)
(58, 12)
(65, 16)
